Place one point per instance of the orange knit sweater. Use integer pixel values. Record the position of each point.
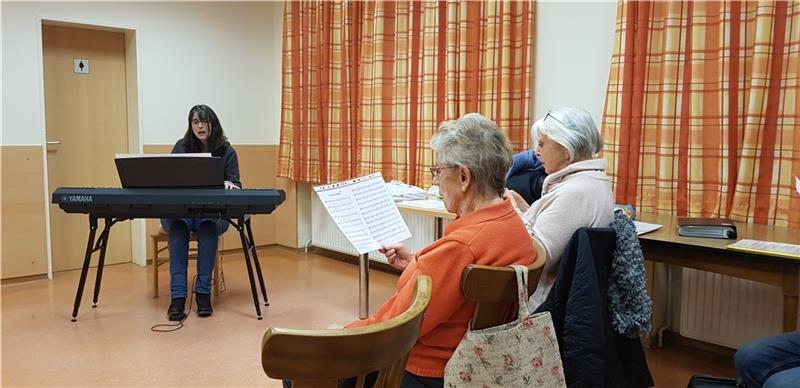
(493, 235)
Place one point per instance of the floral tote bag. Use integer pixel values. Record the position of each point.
(523, 353)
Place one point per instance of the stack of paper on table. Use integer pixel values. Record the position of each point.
(790, 251)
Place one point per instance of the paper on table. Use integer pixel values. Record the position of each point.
(644, 227)
(797, 184)
(435, 204)
(768, 247)
(364, 212)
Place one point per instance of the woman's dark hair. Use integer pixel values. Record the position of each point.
(216, 137)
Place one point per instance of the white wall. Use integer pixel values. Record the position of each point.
(226, 55)
(574, 42)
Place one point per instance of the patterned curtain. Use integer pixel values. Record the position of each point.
(365, 84)
(702, 109)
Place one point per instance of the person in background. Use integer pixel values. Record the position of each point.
(771, 362)
(472, 158)
(526, 176)
(204, 134)
(576, 192)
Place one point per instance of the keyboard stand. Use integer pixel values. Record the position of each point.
(91, 247)
(241, 223)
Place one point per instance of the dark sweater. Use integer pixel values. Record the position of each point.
(226, 152)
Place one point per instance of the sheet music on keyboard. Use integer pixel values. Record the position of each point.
(364, 212)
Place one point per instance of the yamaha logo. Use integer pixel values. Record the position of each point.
(76, 198)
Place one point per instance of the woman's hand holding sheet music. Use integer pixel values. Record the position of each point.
(397, 255)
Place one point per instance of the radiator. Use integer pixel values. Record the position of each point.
(325, 233)
(728, 311)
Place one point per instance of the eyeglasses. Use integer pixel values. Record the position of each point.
(436, 170)
(552, 117)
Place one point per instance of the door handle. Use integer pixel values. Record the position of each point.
(52, 145)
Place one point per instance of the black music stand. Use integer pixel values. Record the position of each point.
(170, 171)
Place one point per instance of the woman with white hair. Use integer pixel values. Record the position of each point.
(472, 157)
(575, 194)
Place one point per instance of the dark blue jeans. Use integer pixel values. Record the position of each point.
(207, 231)
(770, 362)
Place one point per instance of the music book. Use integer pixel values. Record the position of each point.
(706, 227)
(364, 211)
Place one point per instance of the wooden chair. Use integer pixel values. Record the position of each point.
(494, 290)
(161, 236)
(319, 358)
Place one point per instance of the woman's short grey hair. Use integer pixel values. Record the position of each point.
(572, 128)
(475, 142)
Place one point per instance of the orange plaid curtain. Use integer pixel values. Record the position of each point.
(702, 109)
(365, 84)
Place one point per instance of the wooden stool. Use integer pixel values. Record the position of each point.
(162, 236)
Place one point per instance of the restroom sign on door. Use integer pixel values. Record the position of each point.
(81, 66)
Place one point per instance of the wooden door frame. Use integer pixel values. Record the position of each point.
(135, 134)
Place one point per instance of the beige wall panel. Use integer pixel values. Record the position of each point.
(23, 249)
(257, 166)
(286, 215)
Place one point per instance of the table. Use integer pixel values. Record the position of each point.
(439, 215)
(666, 246)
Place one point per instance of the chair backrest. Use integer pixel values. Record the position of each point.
(494, 290)
(318, 358)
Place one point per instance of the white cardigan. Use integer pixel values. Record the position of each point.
(576, 196)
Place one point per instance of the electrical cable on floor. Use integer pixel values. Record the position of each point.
(168, 327)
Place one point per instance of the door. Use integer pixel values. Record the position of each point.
(86, 125)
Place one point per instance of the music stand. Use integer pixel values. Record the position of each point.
(170, 171)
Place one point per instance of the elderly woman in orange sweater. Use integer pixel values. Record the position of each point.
(472, 157)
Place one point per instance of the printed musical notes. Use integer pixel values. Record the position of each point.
(364, 212)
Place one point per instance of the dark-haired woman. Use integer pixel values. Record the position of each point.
(204, 134)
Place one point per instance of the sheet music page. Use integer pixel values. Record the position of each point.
(767, 246)
(364, 212)
(185, 155)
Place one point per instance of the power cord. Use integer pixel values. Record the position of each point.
(168, 327)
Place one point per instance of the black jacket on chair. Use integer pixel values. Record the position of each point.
(592, 353)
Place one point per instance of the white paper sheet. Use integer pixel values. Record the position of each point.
(645, 227)
(364, 211)
(797, 184)
(434, 204)
(781, 249)
(183, 155)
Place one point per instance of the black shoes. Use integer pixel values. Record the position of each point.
(203, 305)
(176, 311)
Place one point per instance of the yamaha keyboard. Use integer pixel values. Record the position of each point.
(113, 205)
(167, 202)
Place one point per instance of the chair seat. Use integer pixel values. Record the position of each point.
(161, 235)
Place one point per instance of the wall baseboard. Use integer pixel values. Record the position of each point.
(671, 337)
